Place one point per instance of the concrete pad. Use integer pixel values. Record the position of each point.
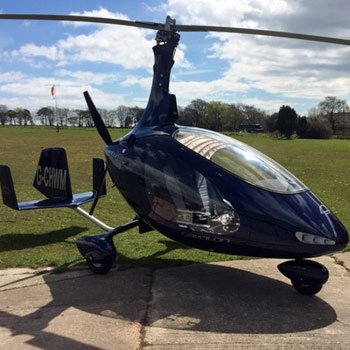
(246, 304)
(343, 259)
(76, 310)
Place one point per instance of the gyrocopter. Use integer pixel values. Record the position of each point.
(195, 186)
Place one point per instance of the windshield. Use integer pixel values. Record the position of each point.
(240, 159)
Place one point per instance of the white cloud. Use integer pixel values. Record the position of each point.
(226, 13)
(280, 69)
(121, 45)
(271, 105)
(186, 91)
(34, 92)
(293, 72)
(32, 50)
(8, 77)
(101, 12)
(125, 46)
(290, 68)
(143, 82)
(85, 77)
(154, 9)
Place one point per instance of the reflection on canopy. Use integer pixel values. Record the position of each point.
(240, 159)
(205, 146)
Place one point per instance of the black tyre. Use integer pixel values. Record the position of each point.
(307, 289)
(101, 267)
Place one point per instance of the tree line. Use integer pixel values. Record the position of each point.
(330, 116)
(122, 116)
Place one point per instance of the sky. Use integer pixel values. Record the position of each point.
(114, 63)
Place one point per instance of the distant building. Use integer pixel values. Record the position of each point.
(251, 127)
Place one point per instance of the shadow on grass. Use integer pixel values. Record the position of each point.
(18, 241)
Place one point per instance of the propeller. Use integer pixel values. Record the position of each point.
(171, 26)
(100, 125)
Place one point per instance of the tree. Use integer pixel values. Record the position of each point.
(12, 117)
(233, 119)
(251, 114)
(302, 127)
(195, 113)
(72, 118)
(47, 115)
(19, 116)
(3, 114)
(25, 116)
(105, 116)
(287, 121)
(215, 113)
(317, 128)
(331, 108)
(122, 115)
(136, 114)
(62, 116)
(271, 122)
(111, 118)
(84, 118)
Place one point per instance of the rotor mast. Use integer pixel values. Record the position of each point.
(162, 107)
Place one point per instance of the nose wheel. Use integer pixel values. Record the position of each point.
(99, 250)
(100, 267)
(306, 288)
(307, 276)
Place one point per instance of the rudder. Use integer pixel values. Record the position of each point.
(52, 175)
(7, 188)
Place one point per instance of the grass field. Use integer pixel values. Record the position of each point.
(47, 237)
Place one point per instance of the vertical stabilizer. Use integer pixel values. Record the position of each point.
(7, 189)
(52, 175)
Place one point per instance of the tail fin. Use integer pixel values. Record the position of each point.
(7, 189)
(99, 179)
(52, 175)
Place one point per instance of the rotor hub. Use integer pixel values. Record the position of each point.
(168, 32)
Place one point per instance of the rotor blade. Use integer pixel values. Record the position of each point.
(178, 28)
(87, 19)
(195, 28)
(100, 125)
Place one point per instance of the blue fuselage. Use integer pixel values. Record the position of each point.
(158, 177)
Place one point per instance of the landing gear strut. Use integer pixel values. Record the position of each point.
(99, 250)
(307, 276)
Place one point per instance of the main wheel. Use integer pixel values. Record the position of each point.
(305, 288)
(101, 267)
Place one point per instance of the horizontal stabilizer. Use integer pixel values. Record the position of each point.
(77, 200)
(9, 195)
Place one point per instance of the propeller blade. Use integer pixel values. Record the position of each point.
(325, 39)
(87, 19)
(100, 125)
(177, 28)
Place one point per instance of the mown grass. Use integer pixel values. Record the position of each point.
(47, 237)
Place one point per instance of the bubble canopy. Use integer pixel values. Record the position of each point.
(240, 159)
